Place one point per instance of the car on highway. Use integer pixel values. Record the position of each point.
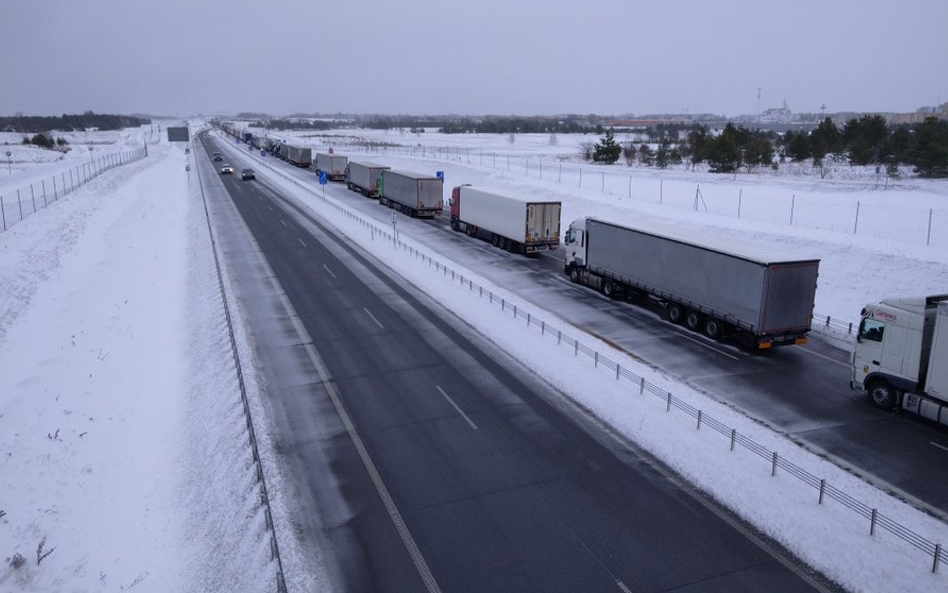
(246, 174)
(227, 170)
(218, 157)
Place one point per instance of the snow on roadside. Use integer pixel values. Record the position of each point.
(121, 447)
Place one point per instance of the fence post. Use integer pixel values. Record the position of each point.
(20, 204)
(668, 402)
(856, 224)
(630, 186)
(872, 526)
(699, 419)
(733, 437)
(928, 241)
(773, 470)
(617, 371)
(822, 490)
(580, 177)
(44, 189)
(793, 202)
(55, 190)
(33, 195)
(3, 214)
(937, 557)
(740, 196)
(64, 183)
(641, 385)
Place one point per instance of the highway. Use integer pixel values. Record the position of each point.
(423, 459)
(800, 391)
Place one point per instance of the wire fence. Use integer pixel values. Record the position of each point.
(17, 205)
(261, 479)
(823, 490)
(917, 225)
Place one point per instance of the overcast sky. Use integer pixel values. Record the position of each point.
(184, 57)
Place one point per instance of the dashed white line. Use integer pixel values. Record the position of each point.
(622, 587)
(709, 347)
(369, 313)
(460, 411)
(270, 208)
(328, 270)
(283, 222)
(301, 242)
(937, 445)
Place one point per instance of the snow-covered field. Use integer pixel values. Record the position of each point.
(121, 438)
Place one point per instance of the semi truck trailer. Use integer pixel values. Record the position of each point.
(722, 289)
(513, 223)
(900, 358)
(364, 177)
(299, 156)
(333, 165)
(416, 195)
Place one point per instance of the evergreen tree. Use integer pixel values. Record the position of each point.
(723, 153)
(930, 153)
(608, 150)
(645, 155)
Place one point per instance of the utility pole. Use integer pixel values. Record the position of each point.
(758, 105)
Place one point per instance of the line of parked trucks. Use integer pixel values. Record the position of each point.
(753, 297)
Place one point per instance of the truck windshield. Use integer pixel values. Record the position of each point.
(570, 236)
(871, 330)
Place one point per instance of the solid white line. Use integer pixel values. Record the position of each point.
(369, 313)
(937, 445)
(622, 587)
(825, 357)
(460, 411)
(328, 270)
(301, 242)
(700, 343)
(283, 222)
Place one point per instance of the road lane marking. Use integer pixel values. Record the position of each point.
(283, 222)
(825, 357)
(622, 587)
(301, 242)
(944, 448)
(328, 270)
(687, 337)
(270, 208)
(369, 313)
(460, 411)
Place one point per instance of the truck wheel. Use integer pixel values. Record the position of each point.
(713, 328)
(469, 230)
(694, 320)
(609, 289)
(675, 313)
(495, 240)
(455, 226)
(883, 395)
(574, 275)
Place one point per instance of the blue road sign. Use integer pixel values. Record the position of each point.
(439, 175)
(263, 153)
(323, 179)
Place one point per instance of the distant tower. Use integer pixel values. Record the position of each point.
(822, 110)
(758, 104)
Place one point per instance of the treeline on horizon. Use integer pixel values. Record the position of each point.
(24, 124)
(867, 140)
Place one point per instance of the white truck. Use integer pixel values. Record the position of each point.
(299, 155)
(759, 298)
(901, 355)
(513, 223)
(364, 177)
(333, 165)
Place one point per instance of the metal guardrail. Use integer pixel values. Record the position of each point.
(40, 195)
(264, 495)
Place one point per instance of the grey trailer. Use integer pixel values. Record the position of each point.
(416, 195)
(299, 156)
(333, 165)
(364, 177)
(721, 288)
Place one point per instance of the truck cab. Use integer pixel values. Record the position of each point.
(575, 243)
(893, 354)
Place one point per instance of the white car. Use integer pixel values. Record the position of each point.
(227, 170)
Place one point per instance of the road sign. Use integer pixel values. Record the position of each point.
(323, 179)
(439, 175)
(263, 153)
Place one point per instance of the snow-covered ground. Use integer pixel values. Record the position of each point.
(134, 466)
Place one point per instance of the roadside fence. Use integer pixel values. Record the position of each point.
(773, 461)
(899, 222)
(21, 203)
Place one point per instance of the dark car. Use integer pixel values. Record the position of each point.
(247, 174)
(218, 156)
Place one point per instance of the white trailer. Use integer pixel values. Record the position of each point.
(364, 177)
(901, 355)
(513, 223)
(416, 195)
(299, 156)
(332, 164)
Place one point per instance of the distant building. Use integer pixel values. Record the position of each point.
(777, 115)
